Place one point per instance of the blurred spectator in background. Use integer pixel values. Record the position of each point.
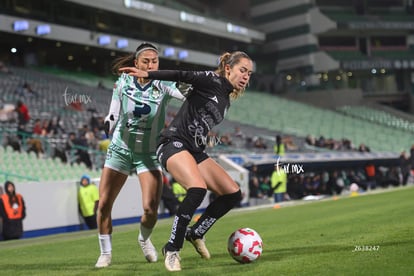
(35, 145)
(7, 112)
(238, 132)
(331, 144)
(37, 127)
(392, 177)
(225, 140)
(320, 142)
(237, 138)
(97, 122)
(265, 188)
(88, 199)
(101, 85)
(178, 190)
(12, 212)
(355, 176)
(259, 143)
(405, 166)
(336, 183)
(254, 193)
(26, 90)
(371, 181)
(4, 69)
(23, 116)
(363, 148)
(294, 186)
(346, 144)
(279, 147)
(168, 198)
(45, 126)
(91, 139)
(310, 140)
(248, 143)
(289, 143)
(310, 184)
(104, 144)
(13, 142)
(55, 126)
(77, 149)
(279, 183)
(412, 159)
(211, 140)
(75, 105)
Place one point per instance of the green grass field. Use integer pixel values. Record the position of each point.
(370, 234)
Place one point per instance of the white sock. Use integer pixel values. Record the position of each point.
(144, 233)
(105, 243)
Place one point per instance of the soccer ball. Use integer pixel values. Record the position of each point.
(245, 245)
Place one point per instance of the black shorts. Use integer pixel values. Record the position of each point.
(168, 148)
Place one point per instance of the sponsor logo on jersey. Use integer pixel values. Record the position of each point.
(177, 144)
(129, 90)
(214, 98)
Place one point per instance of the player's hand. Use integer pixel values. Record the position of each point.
(133, 71)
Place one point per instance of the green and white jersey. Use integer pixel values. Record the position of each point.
(141, 114)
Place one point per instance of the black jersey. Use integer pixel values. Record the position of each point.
(204, 108)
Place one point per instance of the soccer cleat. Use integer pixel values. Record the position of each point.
(104, 261)
(149, 250)
(199, 245)
(172, 260)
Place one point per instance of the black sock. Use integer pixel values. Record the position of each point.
(183, 217)
(215, 210)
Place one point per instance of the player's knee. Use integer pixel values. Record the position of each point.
(104, 207)
(150, 210)
(195, 196)
(234, 198)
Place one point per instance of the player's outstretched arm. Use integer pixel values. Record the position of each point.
(133, 71)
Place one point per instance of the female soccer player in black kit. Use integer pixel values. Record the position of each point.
(181, 148)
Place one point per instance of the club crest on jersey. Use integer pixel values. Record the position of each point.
(177, 144)
(155, 93)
